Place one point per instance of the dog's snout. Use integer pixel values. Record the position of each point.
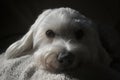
(65, 58)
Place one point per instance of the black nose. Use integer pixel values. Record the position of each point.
(65, 58)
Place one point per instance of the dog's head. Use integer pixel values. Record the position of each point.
(61, 39)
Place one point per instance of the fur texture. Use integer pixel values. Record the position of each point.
(56, 31)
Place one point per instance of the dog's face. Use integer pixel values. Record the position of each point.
(64, 39)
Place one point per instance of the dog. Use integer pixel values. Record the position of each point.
(61, 39)
(62, 44)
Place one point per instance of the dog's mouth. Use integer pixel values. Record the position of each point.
(59, 63)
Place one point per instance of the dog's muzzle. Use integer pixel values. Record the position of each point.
(65, 58)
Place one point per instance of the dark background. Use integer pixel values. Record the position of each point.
(18, 15)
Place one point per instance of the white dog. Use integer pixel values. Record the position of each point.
(61, 45)
(60, 40)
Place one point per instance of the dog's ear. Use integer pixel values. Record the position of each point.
(21, 46)
(103, 55)
(25, 44)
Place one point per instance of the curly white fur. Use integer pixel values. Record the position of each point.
(64, 22)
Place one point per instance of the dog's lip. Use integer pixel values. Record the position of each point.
(58, 68)
(52, 65)
(63, 68)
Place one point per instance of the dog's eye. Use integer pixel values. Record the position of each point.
(79, 34)
(50, 34)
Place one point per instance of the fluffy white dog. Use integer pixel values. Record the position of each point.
(60, 40)
(61, 45)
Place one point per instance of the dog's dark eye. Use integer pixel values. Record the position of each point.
(79, 34)
(50, 34)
